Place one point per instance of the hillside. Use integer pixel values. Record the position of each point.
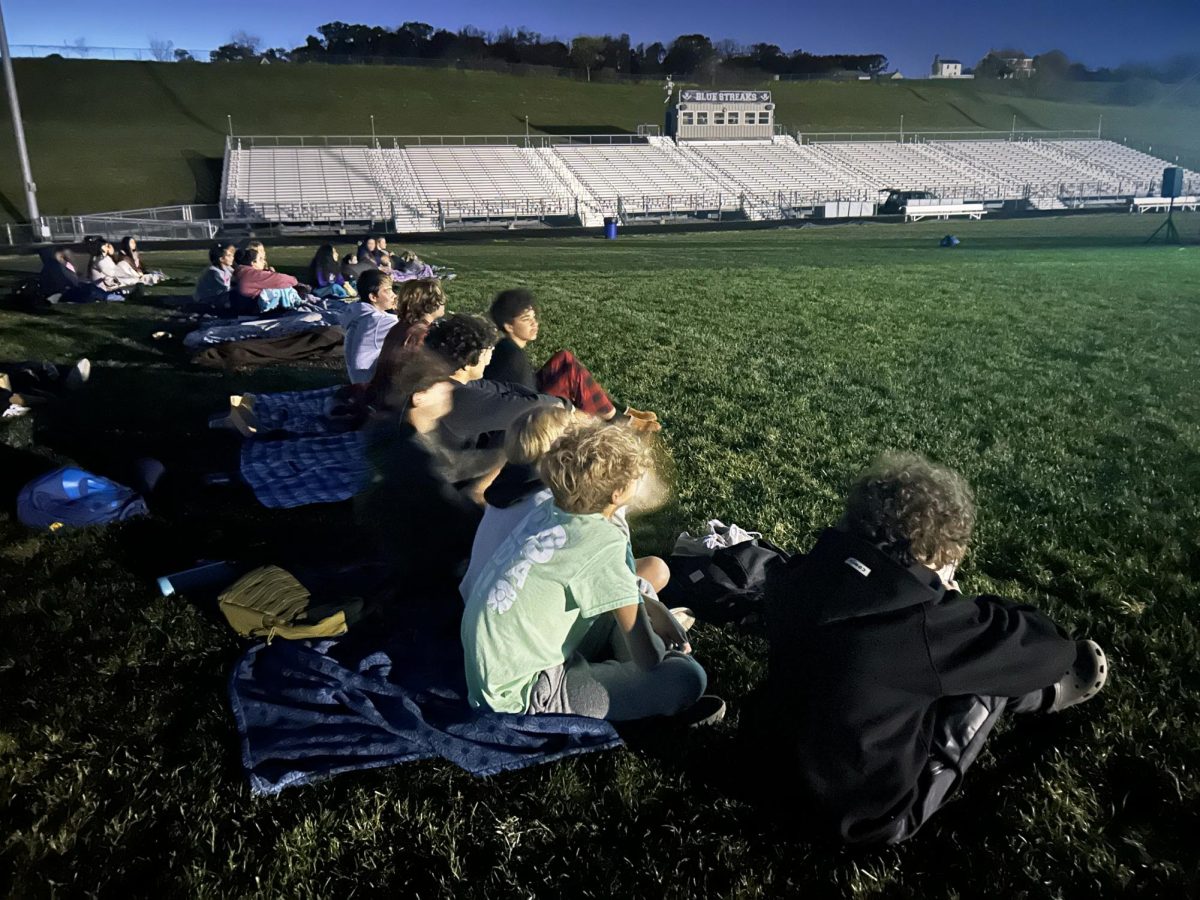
(116, 135)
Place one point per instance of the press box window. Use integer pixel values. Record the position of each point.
(764, 118)
(733, 118)
(701, 118)
(718, 118)
(687, 118)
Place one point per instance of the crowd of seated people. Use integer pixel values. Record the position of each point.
(502, 489)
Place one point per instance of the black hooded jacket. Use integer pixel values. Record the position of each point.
(861, 652)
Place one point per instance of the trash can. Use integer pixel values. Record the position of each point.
(610, 228)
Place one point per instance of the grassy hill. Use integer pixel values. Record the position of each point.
(116, 135)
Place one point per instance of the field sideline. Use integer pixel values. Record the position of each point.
(1052, 361)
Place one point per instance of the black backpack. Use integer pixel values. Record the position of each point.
(726, 587)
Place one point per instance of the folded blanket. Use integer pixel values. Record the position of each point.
(300, 471)
(304, 714)
(297, 412)
(314, 344)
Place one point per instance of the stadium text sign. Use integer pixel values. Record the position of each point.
(725, 96)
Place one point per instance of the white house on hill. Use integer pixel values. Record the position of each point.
(947, 68)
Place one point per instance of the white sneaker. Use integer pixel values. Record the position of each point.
(79, 374)
(738, 535)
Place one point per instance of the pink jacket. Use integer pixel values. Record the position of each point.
(251, 282)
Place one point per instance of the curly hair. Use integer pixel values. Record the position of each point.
(419, 298)
(510, 304)
(913, 510)
(587, 465)
(461, 339)
(531, 433)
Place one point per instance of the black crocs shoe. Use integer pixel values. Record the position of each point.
(1083, 680)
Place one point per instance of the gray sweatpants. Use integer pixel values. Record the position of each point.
(601, 681)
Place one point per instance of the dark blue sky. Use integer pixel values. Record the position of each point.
(1098, 32)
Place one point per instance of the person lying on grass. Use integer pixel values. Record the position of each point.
(519, 488)
(515, 314)
(883, 680)
(422, 525)
(473, 432)
(554, 622)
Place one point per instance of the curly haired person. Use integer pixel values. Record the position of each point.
(553, 621)
(884, 681)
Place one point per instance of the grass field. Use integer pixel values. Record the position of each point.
(1052, 361)
(119, 135)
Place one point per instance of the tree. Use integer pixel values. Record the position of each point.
(586, 52)
(162, 50)
(691, 56)
(1053, 65)
(182, 55)
(242, 46)
(992, 66)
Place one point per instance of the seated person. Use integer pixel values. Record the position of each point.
(367, 322)
(554, 622)
(324, 273)
(103, 271)
(253, 277)
(473, 432)
(369, 252)
(424, 527)
(352, 269)
(59, 280)
(515, 314)
(418, 305)
(130, 261)
(213, 285)
(883, 680)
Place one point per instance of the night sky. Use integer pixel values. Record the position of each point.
(1096, 32)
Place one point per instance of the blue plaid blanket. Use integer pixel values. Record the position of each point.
(296, 412)
(304, 470)
(308, 710)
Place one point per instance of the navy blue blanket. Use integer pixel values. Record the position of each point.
(304, 714)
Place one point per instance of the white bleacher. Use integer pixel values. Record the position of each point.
(502, 177)
(644, 175)
(303, 183)
(757, 167)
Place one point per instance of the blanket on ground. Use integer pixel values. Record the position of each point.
(308, 710)
(317, 344)
(225, 330)
(299, 471)
(297, 412)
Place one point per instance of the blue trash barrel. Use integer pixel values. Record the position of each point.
(610, 228)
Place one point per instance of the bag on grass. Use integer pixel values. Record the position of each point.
(726, 586)
(270, 602)
(73, 498)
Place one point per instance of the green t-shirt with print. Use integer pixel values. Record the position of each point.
(535, 600)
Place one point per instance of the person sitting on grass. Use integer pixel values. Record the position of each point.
(883, 680)
(324, 273)
(473, 432)
(58, 281)
(352, 269)
(423, 526)
(515, 314)
(252, 278)
(418, 305)
(104, 274)
(368, 252)
(367, 322)
(213, 285)
(130, 261)
(554, 622)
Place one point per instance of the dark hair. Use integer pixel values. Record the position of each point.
(461, 339)
(127, 251)
(420, 371)
(323, 269)
(369, 282)
(510, 304)
(912, 510)
(216, 251)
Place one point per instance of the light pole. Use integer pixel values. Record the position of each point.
(374, 142)
(13, 105)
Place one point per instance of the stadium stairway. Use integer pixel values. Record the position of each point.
(545, 160)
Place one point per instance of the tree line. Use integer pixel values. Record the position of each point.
(689, 56)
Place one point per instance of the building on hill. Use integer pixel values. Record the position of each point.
(722, 116)
(1019, 66)
(947, 68)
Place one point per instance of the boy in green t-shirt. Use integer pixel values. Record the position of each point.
(560, 593)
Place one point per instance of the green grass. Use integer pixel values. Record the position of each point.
(118, 135)
(1052, 361)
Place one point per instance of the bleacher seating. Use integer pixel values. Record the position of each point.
(423, 186)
